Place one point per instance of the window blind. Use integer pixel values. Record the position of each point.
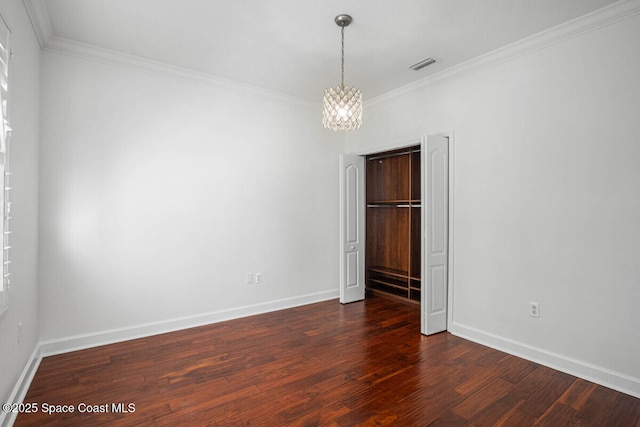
(5, 174)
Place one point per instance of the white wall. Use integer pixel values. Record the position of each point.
(546, 198)
(24, 112)
(158, 195)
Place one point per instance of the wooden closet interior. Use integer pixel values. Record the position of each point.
(393, 233)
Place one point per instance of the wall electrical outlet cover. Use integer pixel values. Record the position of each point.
(258, 278)
(249, 278)
(534, 309)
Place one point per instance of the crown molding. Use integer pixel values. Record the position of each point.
(39, 16)
(136, 63)
(595, 20)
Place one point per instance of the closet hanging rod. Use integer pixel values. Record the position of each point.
(384, 156)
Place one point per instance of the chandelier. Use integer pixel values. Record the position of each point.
(342, 105)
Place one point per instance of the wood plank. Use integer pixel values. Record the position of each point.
(547, 393)
(323, 364)
(577, 394)
(557, 415)
(483, 397)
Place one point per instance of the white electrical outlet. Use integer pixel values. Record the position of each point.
(534, 309)
(249, 279)
(258, 278)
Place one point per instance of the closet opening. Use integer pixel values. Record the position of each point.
(393, 224)
(394, 228)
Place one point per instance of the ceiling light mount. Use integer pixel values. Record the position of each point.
(343, 20)
(342, 105)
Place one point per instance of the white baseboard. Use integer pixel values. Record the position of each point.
(79, 342)
(22, 386)
(597, 374)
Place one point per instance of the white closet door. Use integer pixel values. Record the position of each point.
(352, 221)
(436, 235)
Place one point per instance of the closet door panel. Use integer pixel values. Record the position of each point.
(352, 228)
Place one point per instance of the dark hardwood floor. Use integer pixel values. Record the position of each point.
(323, 364)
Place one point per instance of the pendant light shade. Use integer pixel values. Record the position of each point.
(342, 105)
(342, 108)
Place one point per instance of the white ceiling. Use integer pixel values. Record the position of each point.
(293, 46)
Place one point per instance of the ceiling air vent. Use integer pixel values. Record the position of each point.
(422, 64)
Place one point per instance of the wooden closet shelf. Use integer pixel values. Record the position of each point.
(389, 282)
(390, 271)
(394, 202)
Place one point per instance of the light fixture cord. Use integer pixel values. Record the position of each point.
(342, 67)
